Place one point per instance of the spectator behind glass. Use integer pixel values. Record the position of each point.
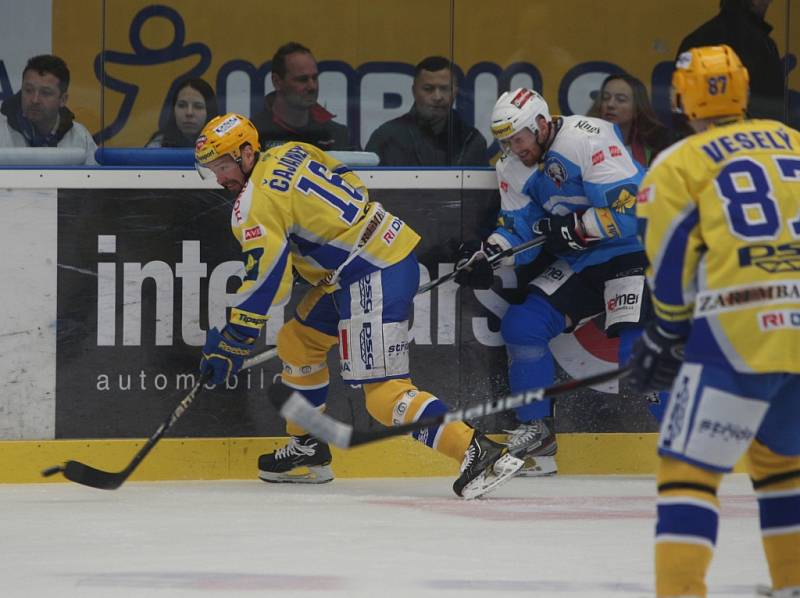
(193, 105)
(431, 133)
(291, 112)
(740, 24)
(37, 115)
(623, 100)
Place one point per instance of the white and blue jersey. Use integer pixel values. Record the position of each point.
(586, 170)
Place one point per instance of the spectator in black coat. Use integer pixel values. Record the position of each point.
(741, 25)
(431, 133)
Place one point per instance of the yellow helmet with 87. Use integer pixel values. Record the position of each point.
(709, 82)
(225, 135)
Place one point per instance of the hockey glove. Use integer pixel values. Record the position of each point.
(474, 269)
(564, 234)
(224, 353)
(656, 358)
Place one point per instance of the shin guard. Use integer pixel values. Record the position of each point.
(398, 401)
(686, 528)
(776, 481)
(304, 351)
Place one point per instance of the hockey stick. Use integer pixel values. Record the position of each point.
(80, 473)
(293, 406)
(492, 260)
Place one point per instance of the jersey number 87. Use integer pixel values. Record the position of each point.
(746, 190)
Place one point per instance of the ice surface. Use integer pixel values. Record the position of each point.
(564, 537)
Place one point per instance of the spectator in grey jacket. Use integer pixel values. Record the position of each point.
(37, 116)
(431, 133)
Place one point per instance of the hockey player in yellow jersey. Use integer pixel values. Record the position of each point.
(720, 219)
(297, 207)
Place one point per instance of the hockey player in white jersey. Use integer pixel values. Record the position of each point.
(580, 195)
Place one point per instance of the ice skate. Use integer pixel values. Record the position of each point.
(535, 444)
(304, 460)
(486, 466)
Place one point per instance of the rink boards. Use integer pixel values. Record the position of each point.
(111, 278)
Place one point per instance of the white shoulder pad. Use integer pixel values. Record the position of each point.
(511, 178)
(241, 207)
(597, 148)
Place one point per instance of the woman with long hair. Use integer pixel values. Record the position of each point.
(623, 100)
(193, 105)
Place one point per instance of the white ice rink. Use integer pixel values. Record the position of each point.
(557, 537)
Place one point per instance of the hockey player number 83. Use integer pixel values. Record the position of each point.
(747, 192)
(331, 188)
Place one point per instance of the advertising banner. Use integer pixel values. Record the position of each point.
(144, 273)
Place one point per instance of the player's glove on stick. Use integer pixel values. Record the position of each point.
(656, 358)
(474, 270)
(564, 234)
(224, 353)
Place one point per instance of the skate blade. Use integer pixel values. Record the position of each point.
(762, 590)
(503, 470)
(538, 467)
(318, 474)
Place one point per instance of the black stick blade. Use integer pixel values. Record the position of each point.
(89, 476)
(278, 394)
(52, 471)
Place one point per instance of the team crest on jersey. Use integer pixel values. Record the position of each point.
(625, 201)
(557, 172)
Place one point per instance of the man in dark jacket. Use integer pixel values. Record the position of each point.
(741, 25)
(37, 116)
(291, 112)
(431, 133)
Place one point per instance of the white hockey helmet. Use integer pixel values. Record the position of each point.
(516, 110)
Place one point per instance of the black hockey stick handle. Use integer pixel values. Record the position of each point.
(492, 260)
(293, 406)
(87, 475)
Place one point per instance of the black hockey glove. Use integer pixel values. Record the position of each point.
(474, 269)
(656, 358)
(564, 233)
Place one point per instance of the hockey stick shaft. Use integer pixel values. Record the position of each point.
(511, 251)
(87, 475)
(293, 406)
(272, 353)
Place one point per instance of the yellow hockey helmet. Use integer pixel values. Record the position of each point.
(710, 82)
(225, 135)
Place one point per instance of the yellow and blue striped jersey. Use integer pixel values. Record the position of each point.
(720, 219)
(302, 209)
